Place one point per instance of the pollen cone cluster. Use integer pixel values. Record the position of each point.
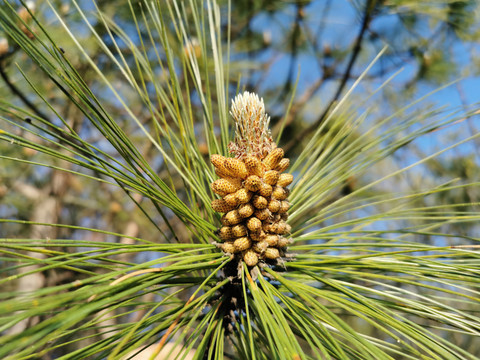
(252, 187)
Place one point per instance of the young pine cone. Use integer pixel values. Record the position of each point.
(253, 187)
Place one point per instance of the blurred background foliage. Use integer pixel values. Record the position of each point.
(300, 56)
(322, 46)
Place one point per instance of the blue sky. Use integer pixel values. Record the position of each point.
(343, 24)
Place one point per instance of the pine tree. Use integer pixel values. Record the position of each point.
(130, 129)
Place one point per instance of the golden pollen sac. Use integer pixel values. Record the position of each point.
(274, 205)
(242, 243)
(269, 228)
(254, 166)
(257, 236)
(246, 210)
(271, 177)
(263, 214)
(254, 224)
(284, 206)
(288, 229)
(276, 218)
(265, 190)
(225, 233)
(218, 161)
(225, 186)
(272, 253)
(273, 159)
(250, 257)
(279, 193)
(283, 165)
(284, 180)
(236, 167)
(239, 230)
(243, 196)
(253, 183)
(233, 217)
(283, 242)
(221, 206)
(253, 188)
(223, 220)
(260, 202)
(281, 227)
(231, 200)
(271, 240)
(260, 247)
(228, 247)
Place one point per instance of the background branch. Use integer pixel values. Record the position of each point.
(367, 16)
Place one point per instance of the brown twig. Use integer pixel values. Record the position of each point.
(15, 90)
(367, 17)
(296, 33)
(164, 338)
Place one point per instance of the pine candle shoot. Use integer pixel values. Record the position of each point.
(252, 186)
